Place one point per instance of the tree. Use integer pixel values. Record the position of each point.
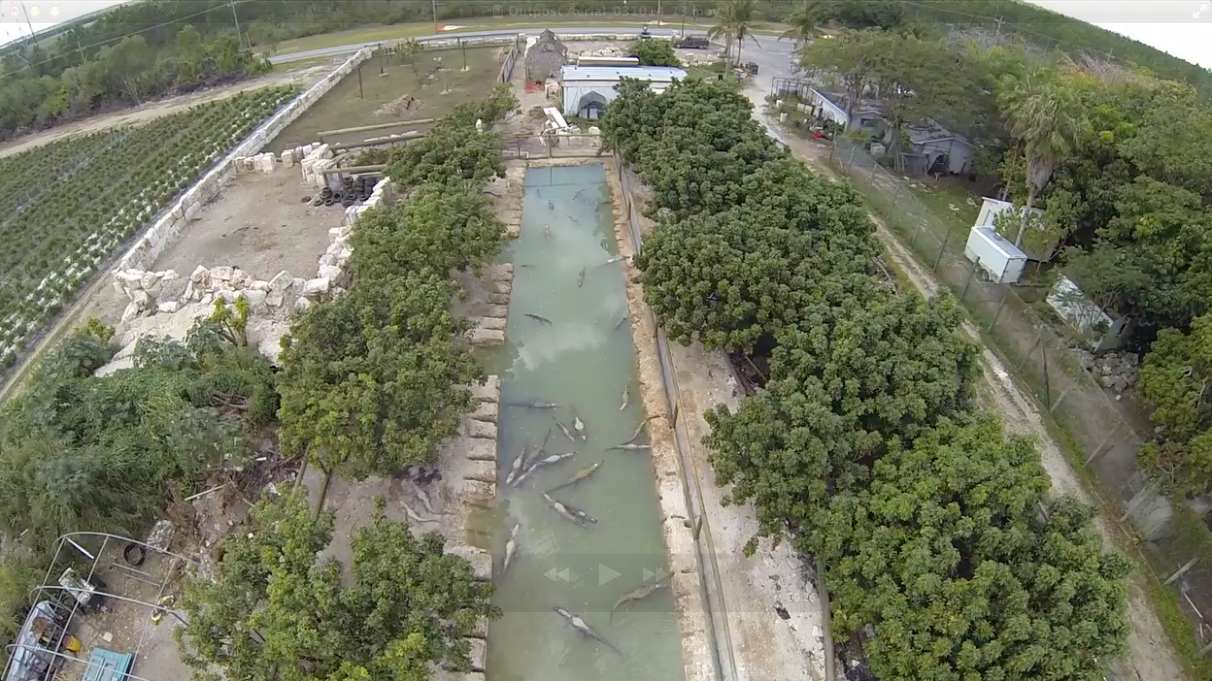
(852, 56)
(805, 19)
(79, 451)
(851, 384)
(1175, 154)
(950, 556)
(733, 279)
(1110, 276)
(409, 49)
(696, 144)
(1044, 117)
(454, 152)
(1158, 261)
(652, 52)
(914, 78)
(374, 381)
(734, 22)
(276, 610)
(1175, 379)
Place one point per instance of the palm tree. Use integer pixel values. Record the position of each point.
(723, 28)
(733, 22)
(805, 20)
(1044, 117)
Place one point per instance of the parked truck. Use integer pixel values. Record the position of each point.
(692, 42)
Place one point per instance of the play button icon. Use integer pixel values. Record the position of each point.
(606, 575)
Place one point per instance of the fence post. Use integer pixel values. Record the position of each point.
(1043, 347)
(1018, 367)
(1000, 305)
(1107, 440)
(1134, 502)
(964, 295)
(1060, 399)
(1181, 571)
(939, 258)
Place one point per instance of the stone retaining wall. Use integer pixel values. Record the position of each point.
(150, 292)
(174, 219)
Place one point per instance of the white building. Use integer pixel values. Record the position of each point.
(1000, 259)
(831, 106)
(588, 89)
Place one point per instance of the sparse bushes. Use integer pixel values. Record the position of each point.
(104, 452)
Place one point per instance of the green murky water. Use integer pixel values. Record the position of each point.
(583, 361)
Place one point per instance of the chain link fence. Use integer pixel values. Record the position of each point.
(1102, 432)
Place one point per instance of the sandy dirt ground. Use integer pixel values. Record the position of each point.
(259, 223)
(769, 600)
(1150, 656)
(155, 109)
(128, 627)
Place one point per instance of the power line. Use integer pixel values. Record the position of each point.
(121, 37)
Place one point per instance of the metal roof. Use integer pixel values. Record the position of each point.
(649, 73)
(1001, 243)
(931, 131)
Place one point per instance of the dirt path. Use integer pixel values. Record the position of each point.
(153, 110)
(1150, 656)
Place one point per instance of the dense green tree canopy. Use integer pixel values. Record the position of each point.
(735, 278)
(653, 52)
(276, 610)
(1175, 380)
(125, 72)
(850, 383)
(861, 446)
(748, 238)
(375, 380)
(454, 151)
(949, 555)
(371, 382)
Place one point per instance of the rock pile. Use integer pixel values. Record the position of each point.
(261, 163)
(167, 292)
(267, 162)
(1115, 371)
(314, 163)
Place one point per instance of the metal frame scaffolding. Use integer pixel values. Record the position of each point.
(67, 599)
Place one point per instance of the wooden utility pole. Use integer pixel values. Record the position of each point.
(236, 17)
(435, 16)
(33, 36)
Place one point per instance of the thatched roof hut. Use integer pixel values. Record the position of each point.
(544, 58)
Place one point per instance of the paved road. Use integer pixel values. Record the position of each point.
(773, 56)
(770, 53)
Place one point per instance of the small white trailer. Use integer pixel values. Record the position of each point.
(1001, 260)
